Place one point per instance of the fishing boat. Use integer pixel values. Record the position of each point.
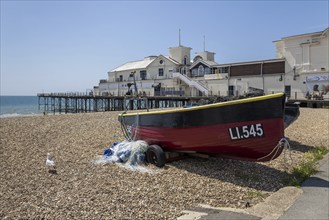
(246, 129)
(291, 113)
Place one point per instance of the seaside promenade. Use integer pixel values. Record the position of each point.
(310, 202)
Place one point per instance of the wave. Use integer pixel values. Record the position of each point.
(14, 115)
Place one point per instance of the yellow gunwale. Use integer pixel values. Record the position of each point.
(195, 108)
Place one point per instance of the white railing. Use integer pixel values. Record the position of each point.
(216, 76)
(191, 82)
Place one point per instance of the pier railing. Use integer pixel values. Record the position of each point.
(66, 94)
(78, 102)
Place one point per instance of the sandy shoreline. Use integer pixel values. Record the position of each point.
(82, 190)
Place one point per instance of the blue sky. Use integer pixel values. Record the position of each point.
(63, 46)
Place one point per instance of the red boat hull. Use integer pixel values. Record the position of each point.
(217, 139)
(249, 129)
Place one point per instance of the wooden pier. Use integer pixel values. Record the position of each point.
(81, 102)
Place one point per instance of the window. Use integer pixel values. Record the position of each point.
(201, 71)
(207, 70)
(195, 72)
(287, 90)
(231, 90)
(183, 71)
(160, 71)
(223, 69)
(142, 74)
(120, 78)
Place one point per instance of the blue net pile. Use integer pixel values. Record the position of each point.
(130, 154)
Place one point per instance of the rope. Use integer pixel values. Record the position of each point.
(128, 135)
(137, 123)
(282, 144)
(287, 147)
(124, 128)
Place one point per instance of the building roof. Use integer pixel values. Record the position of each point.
(303, 35)
(172, 60)
(210, 63)
(206, 62)
(250, 62)
(179, 46)
(141, 64)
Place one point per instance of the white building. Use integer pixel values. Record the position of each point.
(155, 75)
(307, 62)
(301, 66)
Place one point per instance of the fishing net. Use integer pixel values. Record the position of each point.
(129, 154)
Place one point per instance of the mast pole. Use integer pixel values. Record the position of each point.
(204, 43)
(179, 41)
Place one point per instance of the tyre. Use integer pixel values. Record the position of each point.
(156, 156)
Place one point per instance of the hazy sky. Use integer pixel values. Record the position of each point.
(63, 46)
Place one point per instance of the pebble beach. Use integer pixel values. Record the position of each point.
(83, 190)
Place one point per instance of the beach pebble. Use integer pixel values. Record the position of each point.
(83, 190)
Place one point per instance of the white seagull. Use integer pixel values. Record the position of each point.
(50, 163)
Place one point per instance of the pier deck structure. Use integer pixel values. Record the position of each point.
(82, 102)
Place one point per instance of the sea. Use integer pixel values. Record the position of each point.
(19, 106)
